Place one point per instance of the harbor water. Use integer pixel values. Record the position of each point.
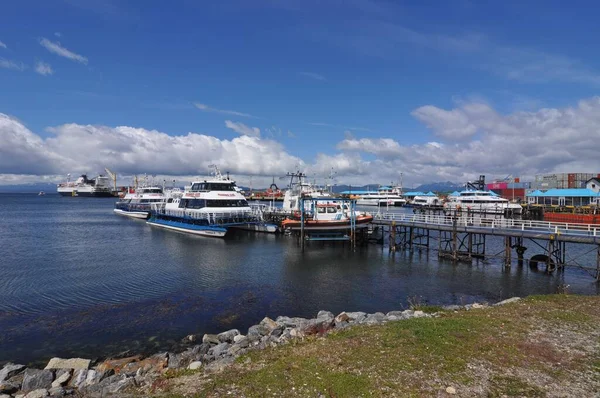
(78, 281)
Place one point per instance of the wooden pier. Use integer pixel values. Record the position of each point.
(463, 238)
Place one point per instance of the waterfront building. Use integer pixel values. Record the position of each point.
(564, 197)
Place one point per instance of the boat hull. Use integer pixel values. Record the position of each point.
(133, 214)
(84, 194)
(485, 209)
(380, 202)
(179, 226)
(267, 228)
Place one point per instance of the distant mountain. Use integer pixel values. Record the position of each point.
(440, 187)
(29, 188)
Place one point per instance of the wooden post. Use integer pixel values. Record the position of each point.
(393, 237)
(454, 239)
(507, 252)
(470, 245)
(302, 223)
(412, 237)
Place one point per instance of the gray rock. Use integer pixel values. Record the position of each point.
(39, 393)
(78, 378)
(325, 314)
(269, 324)
(7, 387)
(110, 385)
(374, 319)
(243, 342)
(195, 365)
(277, 332)
(356, 316)
(508, 301)
(36, 379)
(408, 313)
(342, 325)
(419, 314)
(211, 338)
(452, 307)
(5, 396)
(9, 370)
(291, 322)
(62, 379)
(398, 314)
(228, 336)
(190, 338)
(121, 385)
(239, 337)
(57, 392)
(218, 366)
(256, 332)
(218, 350)
(73, 363)
(342, 317)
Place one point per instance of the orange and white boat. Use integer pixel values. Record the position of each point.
(328, 215)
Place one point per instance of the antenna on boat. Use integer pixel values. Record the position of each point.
(216, 171)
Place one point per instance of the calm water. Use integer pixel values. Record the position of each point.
(76, 280)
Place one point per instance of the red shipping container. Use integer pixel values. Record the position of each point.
(517, 179)
(497, 185)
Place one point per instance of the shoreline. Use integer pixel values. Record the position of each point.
(212, 353)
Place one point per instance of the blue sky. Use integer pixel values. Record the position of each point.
(315, 77)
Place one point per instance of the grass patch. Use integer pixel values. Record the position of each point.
(537, 336)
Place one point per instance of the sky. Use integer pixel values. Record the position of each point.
(370, 90)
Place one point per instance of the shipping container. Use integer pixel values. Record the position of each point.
(517, 180)
(497, 185)
(518, 185)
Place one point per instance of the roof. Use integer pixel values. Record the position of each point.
(593, 179)
(455, 193)
(417, 193)
(571, 192)
(356, 192)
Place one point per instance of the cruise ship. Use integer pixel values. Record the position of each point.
(99, 186)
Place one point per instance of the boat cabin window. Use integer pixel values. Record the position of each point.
(212, 186)
(331, 210)
(192, 203)
(321, 210)
(151, 190)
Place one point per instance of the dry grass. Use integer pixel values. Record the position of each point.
(543, 346)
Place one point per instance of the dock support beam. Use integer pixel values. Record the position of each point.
(393, 237)
(507, 252)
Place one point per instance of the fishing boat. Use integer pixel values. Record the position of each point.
(325, 214)
(209, 207)
(481, 201)
(384, 196)
(300, 187)
(137, 203)
(99, 186)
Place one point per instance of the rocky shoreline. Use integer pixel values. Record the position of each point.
(213, 353)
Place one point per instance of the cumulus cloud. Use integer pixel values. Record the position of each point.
(242, 129)
(8, 64)
(56, 48)
(43, 68)
(75, 148)
(206, 108)
(2, 45)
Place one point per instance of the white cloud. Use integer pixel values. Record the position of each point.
(57, 34)
(242, 129)
(8, 64)
(43, 68)
(2, 45)
(314, 76)
(57, 49)
(75, 148)
(206, 108)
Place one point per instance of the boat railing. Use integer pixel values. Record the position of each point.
(493, 223)
(210, 217)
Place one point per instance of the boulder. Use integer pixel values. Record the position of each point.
(239, 337)
(195, 365)
(325, 314)
(117, 365)
(256, 332)
(342, 317)
(5, 396)
(79, 378)
(57, 392)
(72, 363)
(243, 342)
(211, 339)
(408, 313)
(218, 366)
(36, 379)
(508, 301)
(419, 314)
(62, 378)
(218, 350)
(374, 319)
(228, 336)
(317, 326)
(190, 338)
(451, 390)
(269, 324)
(9, 370)
(452, 307)
(7, 387)
(39, 393)
(356, 316)
(291, 322)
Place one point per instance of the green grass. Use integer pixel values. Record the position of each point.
(422, 356)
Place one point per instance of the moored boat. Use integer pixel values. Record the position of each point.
(137, 203)
(83, 186)
(481, 201)
(328, 215)
(384, 196)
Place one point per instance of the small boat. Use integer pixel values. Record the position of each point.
(42, 193)
(138, 201)
(328, 215)
(384, 196)
(481, 201)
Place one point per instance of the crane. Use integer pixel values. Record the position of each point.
(113, 176)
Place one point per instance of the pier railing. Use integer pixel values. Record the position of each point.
(492, 223)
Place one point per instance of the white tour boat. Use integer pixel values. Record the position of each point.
(384, 196)
(95, 187)
(480, 201)
(208, 207)
(137, 203)
(429, 200)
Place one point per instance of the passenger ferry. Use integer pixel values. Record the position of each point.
(384, 196)
(83, 186)
(479, 201)
(208, 208)
(137, 203)
(429, 200)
